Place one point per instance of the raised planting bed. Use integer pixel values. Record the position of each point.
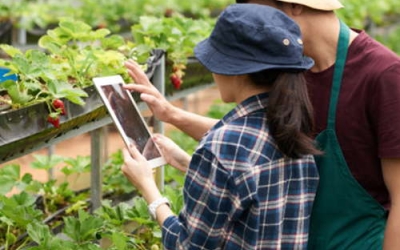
(22, 129)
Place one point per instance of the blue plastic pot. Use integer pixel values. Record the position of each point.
(5, 77)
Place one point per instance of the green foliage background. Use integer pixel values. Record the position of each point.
(380, 19)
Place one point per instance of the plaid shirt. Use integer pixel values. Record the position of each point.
(240, 192)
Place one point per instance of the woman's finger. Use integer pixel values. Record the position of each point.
(139, 78)
(136, 72)
(126, 153)
(134, 152)
(159, 140)
(142, 89)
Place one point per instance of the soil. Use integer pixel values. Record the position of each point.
(198, 102)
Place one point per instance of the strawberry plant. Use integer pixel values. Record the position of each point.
(25, 219)
(358, 14)
(70, 56)
(115, 15)
(16, 213)
(176, 35)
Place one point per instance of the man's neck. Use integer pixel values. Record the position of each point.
(321, 41)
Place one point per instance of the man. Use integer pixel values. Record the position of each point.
(360, 170)
(358, 202)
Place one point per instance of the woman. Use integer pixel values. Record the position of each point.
(252, 180)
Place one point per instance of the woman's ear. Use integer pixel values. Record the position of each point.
(296, 9)
(291, 9)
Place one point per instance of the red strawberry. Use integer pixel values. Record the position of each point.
(176, 81)
(55, 120)
(101, 26)
(168, 12)
(59, 105)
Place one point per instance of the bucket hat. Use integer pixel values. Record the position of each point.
(317, 4)
(249, 38)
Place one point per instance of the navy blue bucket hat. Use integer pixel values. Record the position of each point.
(248, 38)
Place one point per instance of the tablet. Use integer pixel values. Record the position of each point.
(127, 117)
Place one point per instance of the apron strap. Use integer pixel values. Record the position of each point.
(341, 55)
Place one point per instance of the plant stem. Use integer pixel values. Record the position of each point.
(23, 244)
(5, 100)
(8, 232)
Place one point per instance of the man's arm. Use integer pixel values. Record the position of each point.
(391, 175)
(190, 123)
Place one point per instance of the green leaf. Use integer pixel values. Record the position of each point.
(11, 66)
(80, 164)
(100, 33)
(39, 233)
(17, 96)
(46, 162)
(9, 176)
(119, 240)
(83, 228)
(61, 89)
(6, 220)
(113, 42)
(22, 64)
(74, 95)
(27, 178)
(13, 171)
(74, 29)
(19, 209)
(10, 50)
(51, 44)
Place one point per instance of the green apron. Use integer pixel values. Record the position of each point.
(344, 215)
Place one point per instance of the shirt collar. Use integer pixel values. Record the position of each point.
(249, 105)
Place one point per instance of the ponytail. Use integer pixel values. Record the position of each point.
(289, 111)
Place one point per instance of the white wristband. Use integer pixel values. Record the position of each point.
(155, 204)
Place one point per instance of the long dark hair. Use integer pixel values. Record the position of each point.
(289, 111)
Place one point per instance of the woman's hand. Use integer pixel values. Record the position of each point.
(159, 106)
(173, 154)
(138, 171)
(140, 174)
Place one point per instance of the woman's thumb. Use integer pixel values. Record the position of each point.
(134, 152)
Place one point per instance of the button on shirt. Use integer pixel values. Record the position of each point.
(240, 192)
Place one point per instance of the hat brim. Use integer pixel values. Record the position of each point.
(318, 4)
(220, 63)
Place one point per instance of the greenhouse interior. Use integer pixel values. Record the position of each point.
(61, 184)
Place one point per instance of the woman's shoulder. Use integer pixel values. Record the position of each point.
(239, 129)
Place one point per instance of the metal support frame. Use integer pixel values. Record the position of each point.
(98, 158)
(158, 127)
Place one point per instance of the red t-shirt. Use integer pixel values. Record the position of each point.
(368, 111)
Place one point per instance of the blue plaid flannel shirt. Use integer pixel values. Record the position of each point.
(240, 192)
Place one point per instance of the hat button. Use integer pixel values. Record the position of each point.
(286, 41)
(300, 41)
